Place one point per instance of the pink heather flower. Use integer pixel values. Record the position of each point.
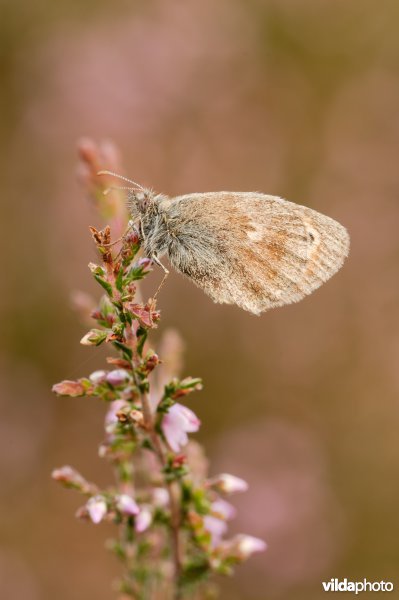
(103, 450)
(98, 377)
(71, 478)
(117, 377)
(223, 509)
(177, 422)
(215, 522)
(160, 497)
(126, 505)
(97, 508)
(229, 484)
(246, 545)
(216, 527)
(143, 519)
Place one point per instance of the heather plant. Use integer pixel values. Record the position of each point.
(170, 516)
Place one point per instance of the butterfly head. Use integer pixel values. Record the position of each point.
(141, 200)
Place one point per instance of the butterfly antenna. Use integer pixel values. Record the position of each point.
(122, 177)
(117, 187)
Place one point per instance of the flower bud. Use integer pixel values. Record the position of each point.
(96, 269)
(98, 377)
(132, 238)
(117, 377)
(69, 388)
(246, 545)
(228, 484)
(145, 263)
(70, 478)
(94, 337)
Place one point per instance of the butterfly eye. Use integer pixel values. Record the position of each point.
(144, 199)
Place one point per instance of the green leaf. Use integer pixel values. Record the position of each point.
(136, 273)
(201, 502)
(107, 286)
(106, 306)
(96, 269)
(173, 473)
(146, 443)
(119, 280)
(191, 383)
(141, 336)
(118, 329)
(176, 389)
(116, 547)
(165, 404)
(125, 349)
(195, 571)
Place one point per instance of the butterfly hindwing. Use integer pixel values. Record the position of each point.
(253, 250)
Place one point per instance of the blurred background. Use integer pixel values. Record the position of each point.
(297, 98)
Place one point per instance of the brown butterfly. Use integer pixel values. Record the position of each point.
(244, 248)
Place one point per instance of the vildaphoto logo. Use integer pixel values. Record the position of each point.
(336, 585)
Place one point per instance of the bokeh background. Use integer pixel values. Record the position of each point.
(298, 98)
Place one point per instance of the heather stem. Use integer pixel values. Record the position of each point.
(149, 424)
(173, 499)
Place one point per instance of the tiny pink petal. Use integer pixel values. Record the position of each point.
(117, 377)
(176, 423)
(160, 497)
(216, 527)
(143, 519)
(223, 509)
(215, 522)
(229, 484)
(127, 505)
(247, 545)
(98, 377)
(97, 508)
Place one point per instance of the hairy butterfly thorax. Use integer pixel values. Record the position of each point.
(154, 224)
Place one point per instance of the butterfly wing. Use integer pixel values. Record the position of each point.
(253, 250)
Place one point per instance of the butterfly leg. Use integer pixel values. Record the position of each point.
(164, 269)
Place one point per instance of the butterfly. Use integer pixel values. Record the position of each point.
(245, 248)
